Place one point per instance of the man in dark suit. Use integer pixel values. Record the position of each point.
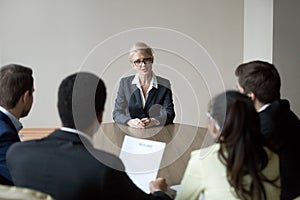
(279, 125)
(65, 164)
(16, 88)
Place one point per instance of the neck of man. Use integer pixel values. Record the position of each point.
(258, 105)
(15, 112)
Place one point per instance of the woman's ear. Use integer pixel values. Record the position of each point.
(212, 127)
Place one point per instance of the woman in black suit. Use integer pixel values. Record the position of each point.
(143, 100)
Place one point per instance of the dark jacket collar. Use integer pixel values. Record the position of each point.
(6, 119)
(69, 136)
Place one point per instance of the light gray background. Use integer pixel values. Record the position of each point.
(286, 49)
(56, 37)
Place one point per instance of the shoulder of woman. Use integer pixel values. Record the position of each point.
(127, 78)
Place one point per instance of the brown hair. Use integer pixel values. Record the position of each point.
(241, 144)
(15, 80)
(81, 98)
(261, 78)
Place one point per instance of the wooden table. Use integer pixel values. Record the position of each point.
(180, 140)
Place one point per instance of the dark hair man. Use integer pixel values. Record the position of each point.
(65, 164)
(279, 125)
(16, 88)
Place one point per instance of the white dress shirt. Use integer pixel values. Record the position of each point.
(153, 83)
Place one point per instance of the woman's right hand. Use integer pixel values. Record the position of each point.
(136, 123)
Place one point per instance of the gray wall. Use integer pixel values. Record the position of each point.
(287, 49)
(197, 46)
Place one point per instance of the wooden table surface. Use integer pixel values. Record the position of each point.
(180, 141)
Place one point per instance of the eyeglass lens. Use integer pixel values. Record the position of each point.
(145, 61)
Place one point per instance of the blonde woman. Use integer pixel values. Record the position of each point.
(144, 99)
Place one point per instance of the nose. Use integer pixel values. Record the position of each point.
(143, 64)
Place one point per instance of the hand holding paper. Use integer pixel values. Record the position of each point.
(142, 160)
(158, 184)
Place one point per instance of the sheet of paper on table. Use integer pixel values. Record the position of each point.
(142, 159)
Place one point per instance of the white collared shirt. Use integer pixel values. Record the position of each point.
(264, 107)
(153, 83)
(71, 130)
(17, 124)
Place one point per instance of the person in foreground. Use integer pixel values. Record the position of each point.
(143, 100)
(237, 166)
(279, 125)
(65, 164)
(16, 97)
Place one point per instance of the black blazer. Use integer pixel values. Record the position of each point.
(159, 104)
(281, 129)
(8, 136)
(66, 166)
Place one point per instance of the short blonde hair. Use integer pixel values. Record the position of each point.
(140, 47)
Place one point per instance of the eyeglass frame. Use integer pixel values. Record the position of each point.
(146, 61)
(210, 117)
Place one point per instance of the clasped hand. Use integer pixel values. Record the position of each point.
(141, 123)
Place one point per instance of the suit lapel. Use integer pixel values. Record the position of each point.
(151, 98)
(6, 119)
(137, 95)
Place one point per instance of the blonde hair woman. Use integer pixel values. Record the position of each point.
(144, 99)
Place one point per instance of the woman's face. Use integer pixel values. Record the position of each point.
(142, 63)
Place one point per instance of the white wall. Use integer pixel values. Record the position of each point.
(198, 45)
(258, 30)
(271, 33)
(286, 49)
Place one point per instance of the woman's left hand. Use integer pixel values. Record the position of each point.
(149, 122)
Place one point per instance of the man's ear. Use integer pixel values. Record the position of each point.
(26, 96)
(252, 96)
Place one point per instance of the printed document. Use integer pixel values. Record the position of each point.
(141, 158)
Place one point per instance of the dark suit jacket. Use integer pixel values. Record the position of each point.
(281, 129)
(8, 136)
(66, 166)
(159, 104)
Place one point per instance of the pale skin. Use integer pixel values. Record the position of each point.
(158, 184)
(212, 129)
(145, 77)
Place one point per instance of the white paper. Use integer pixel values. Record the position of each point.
(142, 159)
(175, 187)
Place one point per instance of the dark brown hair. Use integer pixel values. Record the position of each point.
(81, 99)
(241, 144)
(261, 78)
(15, 80)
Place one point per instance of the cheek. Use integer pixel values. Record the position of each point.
(240, 89)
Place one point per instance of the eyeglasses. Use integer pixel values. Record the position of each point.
(146, 61)
(212, 119)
